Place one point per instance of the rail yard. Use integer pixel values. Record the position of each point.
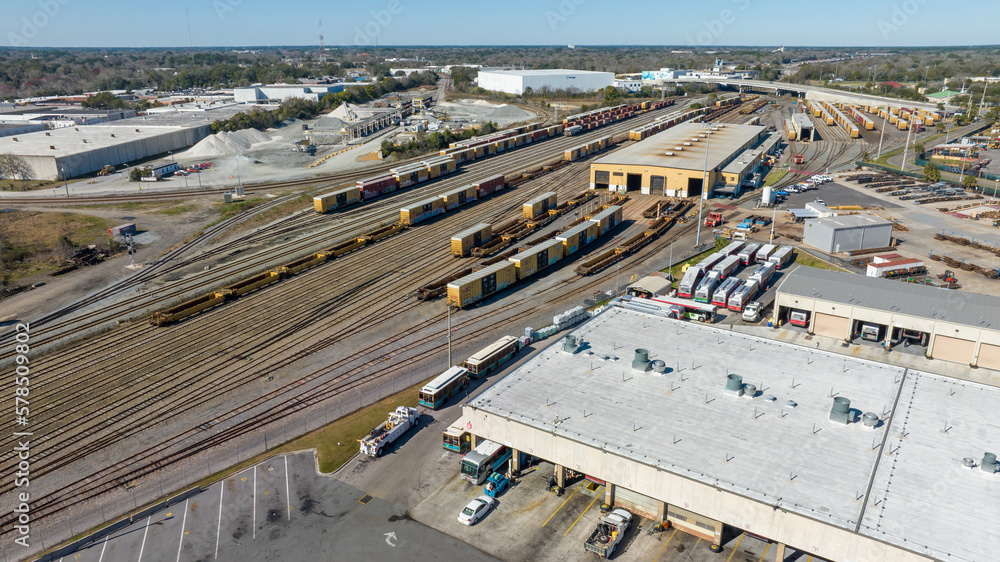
(231, 339)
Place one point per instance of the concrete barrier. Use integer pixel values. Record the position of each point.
(140, 515)
(183, 496)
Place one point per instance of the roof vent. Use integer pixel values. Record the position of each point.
(870, 419)
(841, 411)
(749, 390)
(658, 366)
(570, 345)
(734, 385)
(641, 361)
(989, 463)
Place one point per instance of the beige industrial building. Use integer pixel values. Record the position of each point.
(718, 433)
(672, 162)
(951, 325)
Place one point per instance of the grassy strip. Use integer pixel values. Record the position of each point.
(775, 176)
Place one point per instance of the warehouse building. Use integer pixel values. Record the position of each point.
(515, 81)
(672, 162)
(847, 233)
(951, 325)
(719, 433)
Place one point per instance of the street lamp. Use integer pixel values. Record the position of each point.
(704, 182)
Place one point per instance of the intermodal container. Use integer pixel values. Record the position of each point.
(337, 199)
(539, 205)
(463, 242)
(481, 284)
(460, 196)
(490, 185)
(537, 258)
(421, 210)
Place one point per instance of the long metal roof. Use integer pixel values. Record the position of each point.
(935, 303)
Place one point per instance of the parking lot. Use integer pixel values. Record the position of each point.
(531, 523)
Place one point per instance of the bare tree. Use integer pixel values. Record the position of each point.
(14, 167)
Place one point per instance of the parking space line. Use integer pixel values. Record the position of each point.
(584, 511)
(218, 529)
(108, 536)
(288, 494)
(575, 490)
(254, 497)
(183, 523)
(737, 545)
(665, 545)
(144, 533)
(766, 548)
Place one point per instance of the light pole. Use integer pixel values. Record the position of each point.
(704, 183)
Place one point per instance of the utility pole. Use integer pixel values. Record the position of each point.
(704, 185)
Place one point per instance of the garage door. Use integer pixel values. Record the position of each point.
(953, 349)
(636, 502)
(831, 326)
(989, 356)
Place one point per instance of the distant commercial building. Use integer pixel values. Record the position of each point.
(277, 93)
(847, 233)
(516, 81)
(672, 162)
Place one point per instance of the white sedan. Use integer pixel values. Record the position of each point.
(476, 510)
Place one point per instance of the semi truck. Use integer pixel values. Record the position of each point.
(610, 531)
(398, 423)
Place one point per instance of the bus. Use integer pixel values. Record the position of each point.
(456, 439)
(449, 383)
(480, 364)
(487, 458)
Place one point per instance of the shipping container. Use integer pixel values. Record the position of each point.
(337, 199)
(727, 266)
(459, 196)
(376, 186)
(781, 256)
(481, 284)
(463, 242)
(748, 255)
(490, 185)
(720, 297)
(578, 237)
(539, 205)
(608, 219)
(765, 252)
(421, 210)
(537, 258)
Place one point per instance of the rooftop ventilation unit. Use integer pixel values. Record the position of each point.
(734, 385)
(989, 463)
(570, 345)
(641, 361)
(841, 411)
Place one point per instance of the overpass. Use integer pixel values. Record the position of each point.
(817, 93)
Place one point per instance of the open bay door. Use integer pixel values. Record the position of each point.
(636, 502)
(832, 326)
(953, 349)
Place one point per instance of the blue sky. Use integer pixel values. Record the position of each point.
(145, 23)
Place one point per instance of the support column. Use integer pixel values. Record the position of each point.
(609, 493)
(779, 555)
(560, 476)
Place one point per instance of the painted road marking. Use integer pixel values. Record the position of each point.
(575, 490)
(104, 547)
(183, 532)
(735, 547)
(218, 529)
(254, 496)
(584, 511)
(765, 552)
(665, 545)
(288, 494)
(144, 533)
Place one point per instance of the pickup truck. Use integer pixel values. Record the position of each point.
(610, 531)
